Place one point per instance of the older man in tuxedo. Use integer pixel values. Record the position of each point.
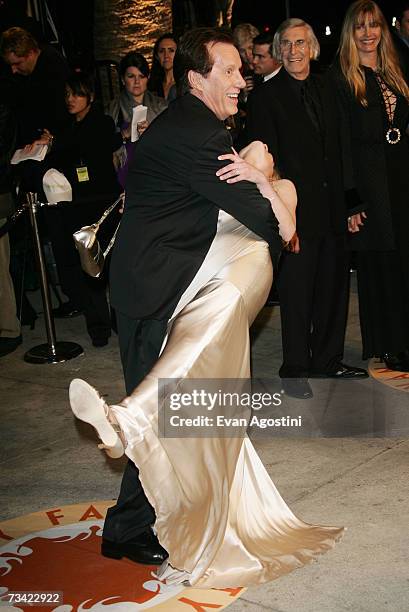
(173, 198)
(295, 113)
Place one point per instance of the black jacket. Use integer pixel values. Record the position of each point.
(88, 143)
(276, 116)
(173, 197)
(40, 97)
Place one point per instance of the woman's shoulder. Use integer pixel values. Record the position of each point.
(153, 101)
(284, 185)
(286, 190)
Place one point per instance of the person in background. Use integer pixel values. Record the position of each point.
(40, 94)
(134, 74)
(10, 328)
(265, 64)
(243, 35)
(161, 81)
(83, 153)
(400, 35)
(375, 99)
(402, 23)
(296, 115)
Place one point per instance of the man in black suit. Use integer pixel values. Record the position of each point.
(173, 198)
(296, 116)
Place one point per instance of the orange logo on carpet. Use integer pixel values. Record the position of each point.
(397, 380)
(58, 551)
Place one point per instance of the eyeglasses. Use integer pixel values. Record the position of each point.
(288, 45)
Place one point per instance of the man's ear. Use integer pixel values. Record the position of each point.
(195, 80)
(32, 55)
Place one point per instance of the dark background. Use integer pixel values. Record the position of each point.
(74, 19)
(272, 12)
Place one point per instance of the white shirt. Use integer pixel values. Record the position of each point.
(267, 77)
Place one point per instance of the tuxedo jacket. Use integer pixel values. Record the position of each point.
(312, 159)
(173, 197)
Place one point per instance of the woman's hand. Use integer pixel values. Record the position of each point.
(355, 222)
(249, 84)
(293, 245)
(126, 133)
(141, 127)
(240, 170)
(46, 138)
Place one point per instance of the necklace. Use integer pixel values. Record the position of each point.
(393, 134)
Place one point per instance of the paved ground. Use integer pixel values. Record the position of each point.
(362, 482)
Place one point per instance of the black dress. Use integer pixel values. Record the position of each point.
(381, 173)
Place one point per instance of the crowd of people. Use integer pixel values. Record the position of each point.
(322, 173)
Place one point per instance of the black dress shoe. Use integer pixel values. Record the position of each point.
(296, 387)
(342, 371)
(398, 362)
(99, 341)
(144, 548)
(66, 311)
(8, 345)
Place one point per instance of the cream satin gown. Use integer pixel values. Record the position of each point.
(219, 515)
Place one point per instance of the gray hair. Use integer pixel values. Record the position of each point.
(294, 22)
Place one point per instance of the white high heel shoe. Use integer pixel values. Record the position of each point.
(88, 406)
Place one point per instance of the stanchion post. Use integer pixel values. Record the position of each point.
(53, 351)
(41, 269)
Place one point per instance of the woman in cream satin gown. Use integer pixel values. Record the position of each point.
(219, 515)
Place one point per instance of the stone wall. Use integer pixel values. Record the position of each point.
(129, 25)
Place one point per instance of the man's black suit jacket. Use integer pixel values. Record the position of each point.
(173, 197)
(311, 159)
(40, 96)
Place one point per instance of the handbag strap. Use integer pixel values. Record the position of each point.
(107, 211)
(111, 242)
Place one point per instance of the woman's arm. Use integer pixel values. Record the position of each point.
(283, 200)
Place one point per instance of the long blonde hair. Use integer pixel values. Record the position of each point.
(388, 60)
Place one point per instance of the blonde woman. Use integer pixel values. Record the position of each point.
(375, 100)
(243, 35)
